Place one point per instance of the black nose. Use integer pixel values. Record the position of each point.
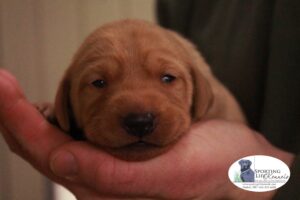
(139, 124)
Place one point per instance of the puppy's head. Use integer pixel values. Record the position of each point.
(245, 164)
(133, 89)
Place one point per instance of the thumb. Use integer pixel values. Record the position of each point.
(83, 163)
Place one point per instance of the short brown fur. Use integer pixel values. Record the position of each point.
(132, 56)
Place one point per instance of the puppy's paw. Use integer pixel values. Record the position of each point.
(46, 109)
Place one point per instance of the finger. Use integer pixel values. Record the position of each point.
(83, 162)
(27, 131)
(25, 124)
(12, 144)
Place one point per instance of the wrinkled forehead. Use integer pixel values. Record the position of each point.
(132, 44)
(131, 36)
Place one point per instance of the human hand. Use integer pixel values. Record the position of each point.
(195, 168)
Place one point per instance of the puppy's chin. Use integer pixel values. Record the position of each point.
(138, 151)
(115, 140)
(130, 148)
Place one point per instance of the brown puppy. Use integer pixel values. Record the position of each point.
(134, 88)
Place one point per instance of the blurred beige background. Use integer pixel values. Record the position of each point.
(37, 41)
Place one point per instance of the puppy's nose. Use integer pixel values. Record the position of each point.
(140, 124)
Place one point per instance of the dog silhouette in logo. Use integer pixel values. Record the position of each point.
(247, 174)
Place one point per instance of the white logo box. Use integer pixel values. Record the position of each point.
(259, 173)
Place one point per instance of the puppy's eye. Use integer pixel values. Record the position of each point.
(168, 78)
(99, 83)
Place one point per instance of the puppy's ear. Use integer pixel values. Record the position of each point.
(241, 161)
(249, 163)
(201, 77)
(62, 104)
(202, 94)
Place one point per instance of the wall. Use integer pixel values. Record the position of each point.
(37, 41)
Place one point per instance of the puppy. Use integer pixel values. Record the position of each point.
(134, 88)
(247, 174)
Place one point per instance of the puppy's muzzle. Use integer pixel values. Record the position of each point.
(139, 124)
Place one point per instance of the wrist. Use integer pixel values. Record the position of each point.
(271, 150)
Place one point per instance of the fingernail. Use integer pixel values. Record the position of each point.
(63, 164)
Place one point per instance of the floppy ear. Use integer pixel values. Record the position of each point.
(240, 162)
(62, 105)
(201, 77)
(249, 163)
(202, 94)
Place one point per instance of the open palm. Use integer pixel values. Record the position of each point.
(195, 168)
